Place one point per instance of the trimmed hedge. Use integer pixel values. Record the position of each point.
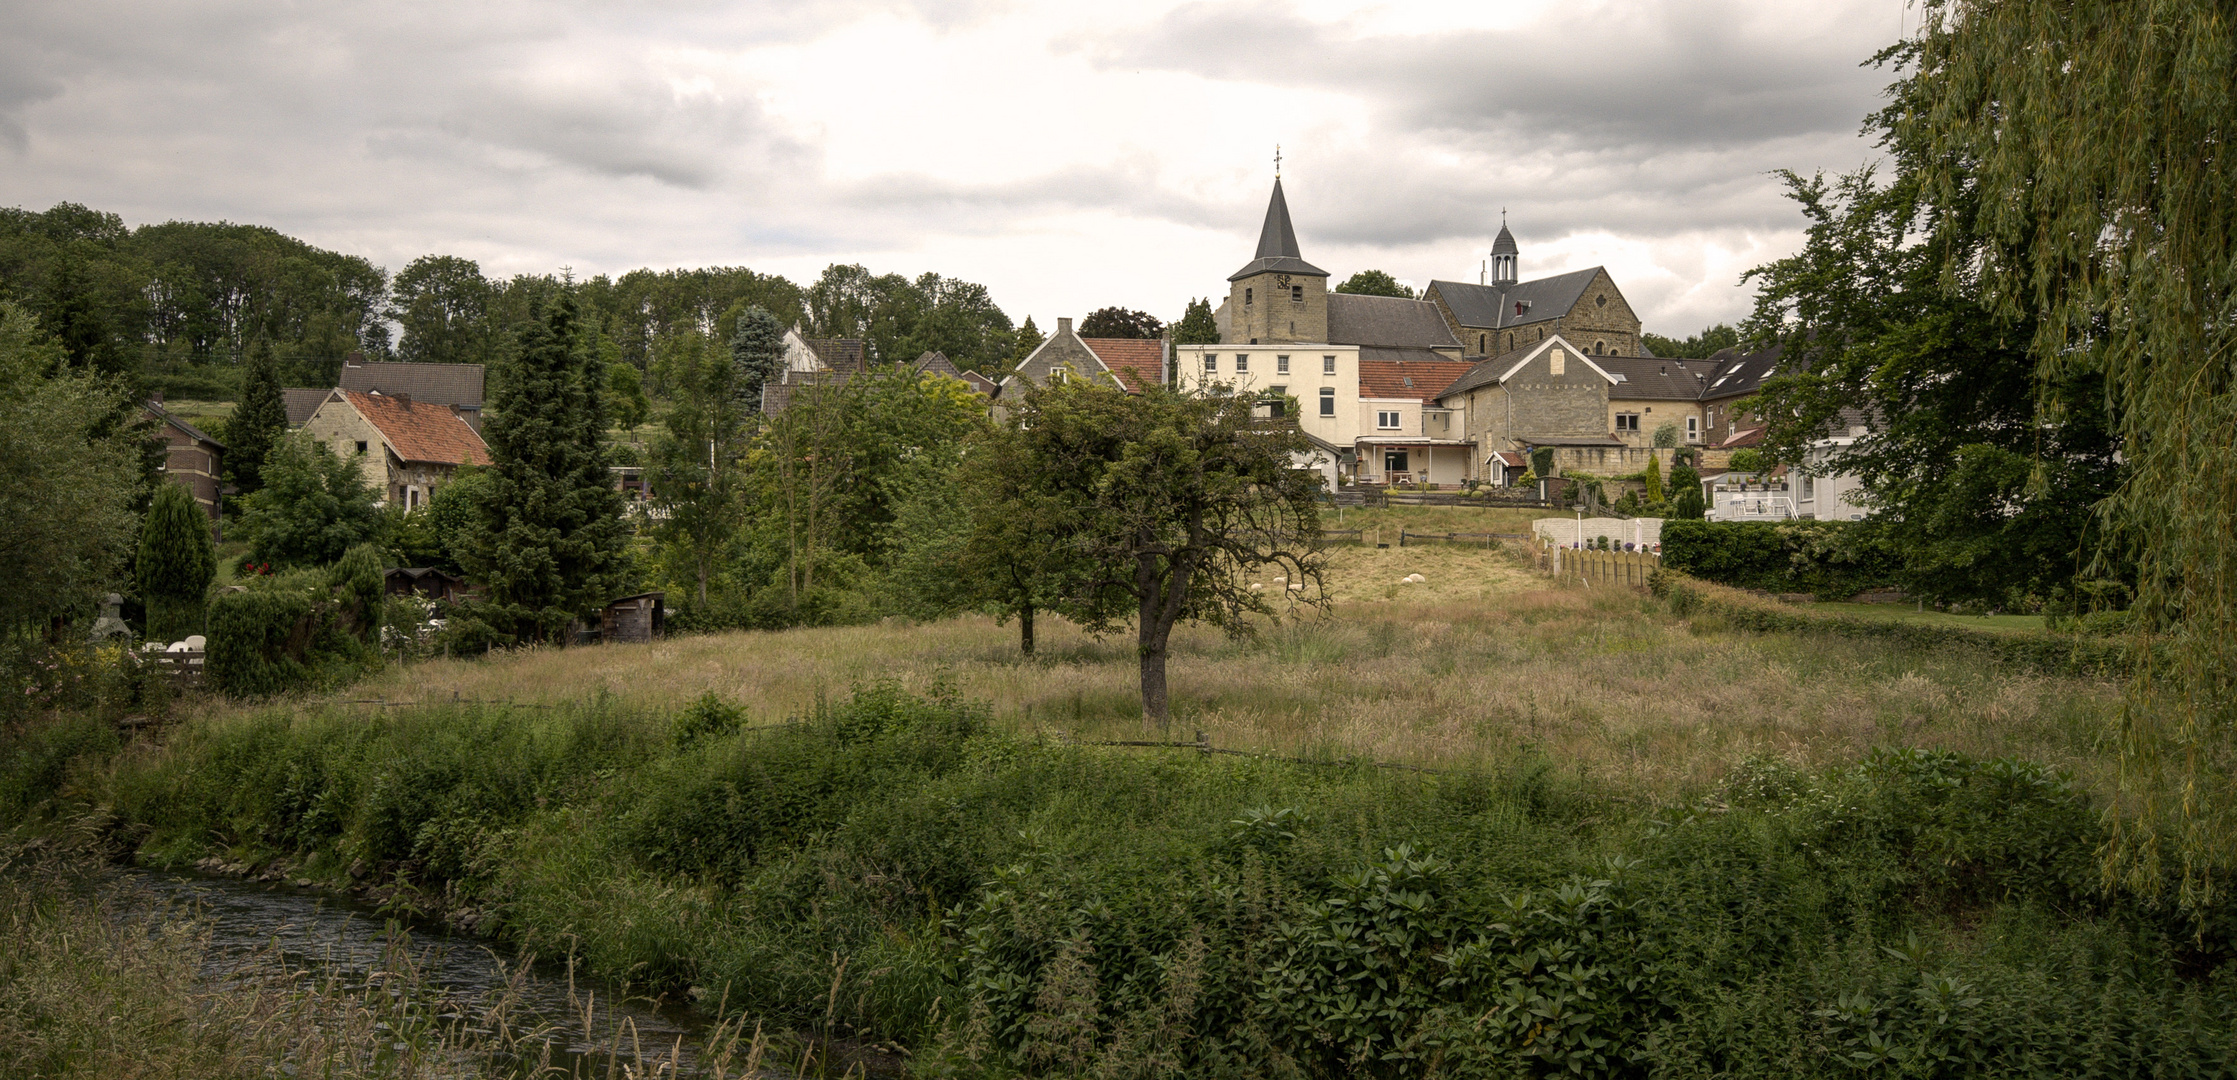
(1831, 560)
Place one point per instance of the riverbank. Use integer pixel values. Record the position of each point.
(921, 863)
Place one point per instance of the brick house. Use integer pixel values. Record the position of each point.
(408, 449)
(191, 458)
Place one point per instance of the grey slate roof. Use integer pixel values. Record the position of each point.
(839, 354)
(301, 403)
(436, 384)
(936, 363)
(1486, 372)
(157, 410)
(1425, 356)
(1739, 373)
(1387, 322)
(1277, 244)
(1493, 308)
(1505, 244)
(1647, 378)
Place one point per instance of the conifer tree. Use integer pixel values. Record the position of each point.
(1197, 325)
(1686, 503)
(176, 562)
(552, 547)
(757, 349)
(1029, 338)
(258, 423)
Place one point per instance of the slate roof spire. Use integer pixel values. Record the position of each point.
(1505, 257)
(1277, 244)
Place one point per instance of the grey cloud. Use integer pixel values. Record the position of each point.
(1648, 76)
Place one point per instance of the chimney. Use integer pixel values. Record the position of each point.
(354, 359)
(403, 399)
(1064, 325)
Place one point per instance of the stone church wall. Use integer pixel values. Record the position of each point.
(1272, 318)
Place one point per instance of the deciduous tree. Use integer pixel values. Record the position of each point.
(1176, 501)
(1118, 322)
(1375, 283)
(313, 506)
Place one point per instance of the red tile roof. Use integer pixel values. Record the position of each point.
(1422, 380)
(1137, 362)
(420, 431)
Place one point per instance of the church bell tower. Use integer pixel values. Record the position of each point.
(1504, 257)
(1278, 298)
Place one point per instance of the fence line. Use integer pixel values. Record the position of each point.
(1203, 745)
(1600, 567)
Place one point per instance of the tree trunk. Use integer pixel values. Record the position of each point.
(1153, 679)
(702, 584)
(1025, 629)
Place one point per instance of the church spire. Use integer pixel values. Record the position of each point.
(1277, 244)
(1504, 256)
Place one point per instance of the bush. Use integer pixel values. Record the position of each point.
(1832, 560)
(290, 632)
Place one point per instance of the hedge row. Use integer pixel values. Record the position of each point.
(2048, 653)
(1832, 560)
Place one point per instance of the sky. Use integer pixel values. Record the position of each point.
(1068, 156)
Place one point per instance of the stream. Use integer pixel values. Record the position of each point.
(250, 921)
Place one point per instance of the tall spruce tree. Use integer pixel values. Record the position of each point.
(553, 544)
(258, 423)
(176, 562)
(757, 350)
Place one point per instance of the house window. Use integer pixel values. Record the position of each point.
(1510, 341)
(1394, 461)
(1328, 365)
(1480, 345)
(361, 446)
(1627, 423)
(1600, 348)
(1211, 363)
(1246, 297)
(1281, 365)
(1278, 391)
(1693, 429)
(1600, 301)
(1242, 363)
(1328, 401)
(1387, 421)
(1809, 486)
(1297, 294)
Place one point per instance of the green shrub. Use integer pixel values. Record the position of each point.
(289, 632)
(1832, 560)
(708, 716)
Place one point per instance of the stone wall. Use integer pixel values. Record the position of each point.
(342, 428)
(1270, 317)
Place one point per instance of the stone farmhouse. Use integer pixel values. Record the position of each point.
(407, 449)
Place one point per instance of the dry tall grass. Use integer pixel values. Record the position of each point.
(1468, 669)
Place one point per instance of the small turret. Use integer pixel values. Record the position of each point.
(1505, 268)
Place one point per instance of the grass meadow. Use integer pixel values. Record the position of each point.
(1484, 659)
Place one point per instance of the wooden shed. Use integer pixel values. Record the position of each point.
(633, 618)
(425, 581)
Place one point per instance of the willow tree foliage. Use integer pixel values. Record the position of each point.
(2093, 140)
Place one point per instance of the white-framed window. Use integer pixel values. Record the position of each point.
(1627, 422)
(1242, 363)
(1693, 429)
(1328, 365)
(1386, 421)
(1281, 365)
(1211, 363)
(1328, 401)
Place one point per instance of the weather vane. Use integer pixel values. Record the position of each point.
(1277, 161)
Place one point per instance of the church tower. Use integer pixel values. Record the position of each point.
(1504, 258)
(1279, 297)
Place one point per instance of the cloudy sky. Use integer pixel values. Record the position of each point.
(1067, 155)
